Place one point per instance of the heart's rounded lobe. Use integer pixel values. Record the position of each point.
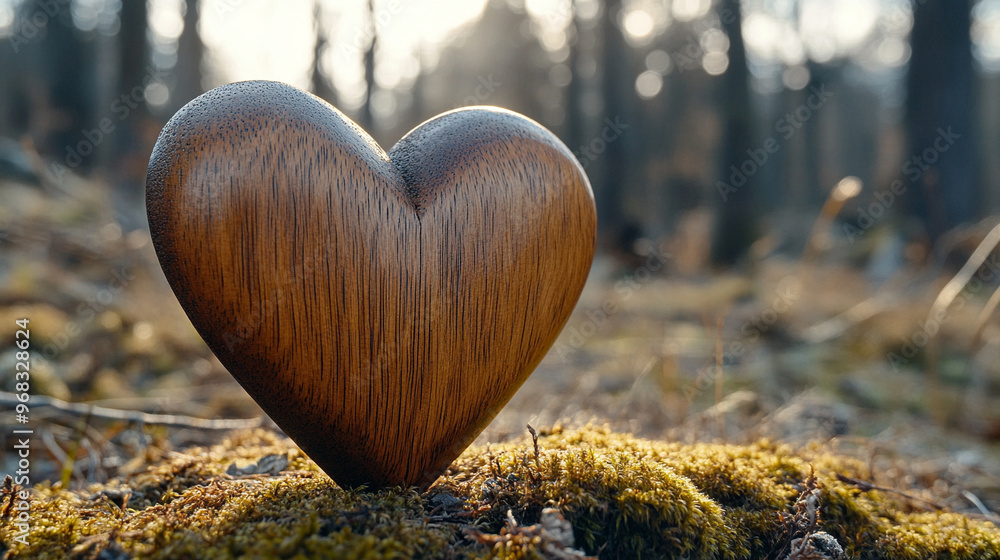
(380, 308)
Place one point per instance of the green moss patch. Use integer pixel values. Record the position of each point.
(578, 493)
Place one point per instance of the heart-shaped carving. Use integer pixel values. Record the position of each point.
(380, 308)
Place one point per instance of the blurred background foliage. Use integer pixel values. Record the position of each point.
(667, 103)
(784, 188)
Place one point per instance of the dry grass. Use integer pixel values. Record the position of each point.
(646, 368)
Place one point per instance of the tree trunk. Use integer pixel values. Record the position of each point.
(609, 149)
(190, 51)
(131, 116)
(736, 228)
(940, 105)
(574, 115)
(367, 120)
(69, 79)
(319, 81)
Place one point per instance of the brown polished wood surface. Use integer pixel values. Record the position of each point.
(380, 308)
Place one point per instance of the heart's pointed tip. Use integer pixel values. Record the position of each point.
(366, 485)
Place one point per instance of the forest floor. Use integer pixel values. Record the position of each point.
(813, 353)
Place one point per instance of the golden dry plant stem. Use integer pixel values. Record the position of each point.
(381, 308)
(944, 300)
(848, 188)
(954, 286)
(720, 416)
(983, 320)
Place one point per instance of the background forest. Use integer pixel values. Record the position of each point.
(797, 202)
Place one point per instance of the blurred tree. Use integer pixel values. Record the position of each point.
(574, 90)
(320, 83)
(367, 121)
(815, 159)
(133, 52)
(190, 53)
(60, 67)
(616, 85)
(497, 62)
(940, 105)
(15, 103)
(418, 105)
(132, 115)
(735, 227)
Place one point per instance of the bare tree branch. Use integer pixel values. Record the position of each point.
(172, 420)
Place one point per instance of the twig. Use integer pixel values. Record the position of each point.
(848, 188)
(947, 296)
(868, 486)
(984, 318)
(69, 465)
(720, 415)
(838, 325)
(804, 521)
(170, 420)
(958, 282)
(982, 507)
(534, 441)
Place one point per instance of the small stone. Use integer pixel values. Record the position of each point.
(270, 464)
(445, 500)
(556, 527)
(821, 546)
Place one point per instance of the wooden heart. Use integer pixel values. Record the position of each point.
(380, 308)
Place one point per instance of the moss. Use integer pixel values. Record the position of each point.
(623, 497)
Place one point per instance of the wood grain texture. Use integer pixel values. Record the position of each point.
(380, 308)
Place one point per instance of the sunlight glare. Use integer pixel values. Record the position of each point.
(848, 188)
(551, 15)
(836, 27)
(795, 77)
(6, 19)
(893, 51)
(165, 19)
(715, 63)
(790, 50)
(688, 10)
(588, 10)
(257, 39)
(714, 40)
(761, 32)
(638, 24)
(648, 84)
(269, 39)
(986, 33)
(411, 35)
